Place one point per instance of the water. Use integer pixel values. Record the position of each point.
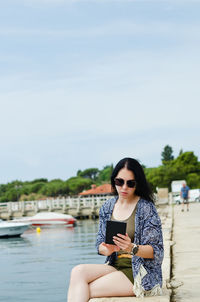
(36, 266)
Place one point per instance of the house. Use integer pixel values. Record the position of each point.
(104, 189)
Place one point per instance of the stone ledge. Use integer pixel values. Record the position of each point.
(164, 298)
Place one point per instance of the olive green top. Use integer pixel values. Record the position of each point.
(130, 227)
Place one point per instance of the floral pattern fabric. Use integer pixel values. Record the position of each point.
(147, 273)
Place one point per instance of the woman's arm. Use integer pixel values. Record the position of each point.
(145, 251)
(151, 234)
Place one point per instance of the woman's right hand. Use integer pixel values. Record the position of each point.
(107, 249)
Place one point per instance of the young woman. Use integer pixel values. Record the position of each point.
(133, 264)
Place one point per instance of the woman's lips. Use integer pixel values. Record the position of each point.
(124, 193)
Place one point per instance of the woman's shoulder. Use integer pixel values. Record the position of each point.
(146, 207)
(146, 202)
(110, 201)
(109, 204)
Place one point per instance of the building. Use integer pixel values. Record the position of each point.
(104, 189)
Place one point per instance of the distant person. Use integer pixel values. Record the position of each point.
(133, 263)
(185, 196)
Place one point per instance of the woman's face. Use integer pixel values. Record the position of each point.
(125, 191)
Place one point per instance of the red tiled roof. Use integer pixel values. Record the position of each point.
(103, 189)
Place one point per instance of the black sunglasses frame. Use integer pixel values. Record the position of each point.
(120, 182)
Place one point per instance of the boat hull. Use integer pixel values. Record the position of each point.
(12, 230)
(53, 222)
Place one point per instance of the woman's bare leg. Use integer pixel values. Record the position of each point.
(115, 284)
(81, 276)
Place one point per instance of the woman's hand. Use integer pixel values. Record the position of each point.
(123, 242)
(107, 249)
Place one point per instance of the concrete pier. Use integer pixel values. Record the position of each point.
(186, 254)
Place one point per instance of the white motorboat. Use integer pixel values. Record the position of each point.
(12, 229)
(49, 218)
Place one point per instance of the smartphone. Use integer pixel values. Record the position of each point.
(113, 228)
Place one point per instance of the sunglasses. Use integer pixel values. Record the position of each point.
(120, 182)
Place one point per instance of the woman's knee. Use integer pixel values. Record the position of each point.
(78, 272)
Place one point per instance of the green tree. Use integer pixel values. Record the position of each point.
(78, 173)
(167, 154)
(26, 189)
(187, 162)
(54, 188)
(193, 180)
(78, 184)
(185, 166)
(91, 173)
(35, 187)
(181, 151)
(105, 174)
(39, 180)
(11, 195)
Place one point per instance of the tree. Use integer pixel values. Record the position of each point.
(187, 162)
(193, 180)
(167, 154)
(105, 174)
(39, 180)
(37, 186)
(185, 166)
(91, 173)
(181, 151)
(78, 173)
(78, 184)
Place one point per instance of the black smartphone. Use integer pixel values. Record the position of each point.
(113, 228)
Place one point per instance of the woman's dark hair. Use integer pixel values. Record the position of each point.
(142, 187)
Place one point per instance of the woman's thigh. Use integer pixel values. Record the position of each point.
(115, 284)
(91, 272)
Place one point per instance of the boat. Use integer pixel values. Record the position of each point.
(12, 229)
(52, 218)
(49, 218)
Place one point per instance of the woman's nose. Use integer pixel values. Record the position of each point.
(124, 185)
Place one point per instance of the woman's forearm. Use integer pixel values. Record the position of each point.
(145, 251)
(125, 244)
(102, 250)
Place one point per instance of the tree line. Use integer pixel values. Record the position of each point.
(42, 188)
(185, 166)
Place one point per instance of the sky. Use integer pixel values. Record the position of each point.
(84, 83)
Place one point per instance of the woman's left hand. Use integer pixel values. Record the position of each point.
(124, 242)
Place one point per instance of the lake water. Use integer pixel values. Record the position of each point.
(36, 266)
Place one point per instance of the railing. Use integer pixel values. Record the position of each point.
(63, 204)
(79, 206)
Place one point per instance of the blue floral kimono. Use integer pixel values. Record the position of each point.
(147, 273)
